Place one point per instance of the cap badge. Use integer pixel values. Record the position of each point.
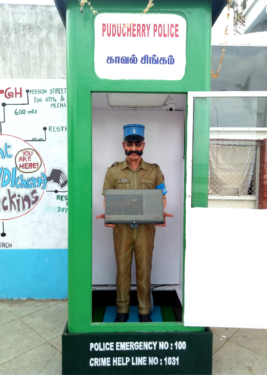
(134, 131)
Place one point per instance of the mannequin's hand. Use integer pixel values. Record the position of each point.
(165, 214)
(106, 225)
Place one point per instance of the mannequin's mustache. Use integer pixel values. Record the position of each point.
(140, 153)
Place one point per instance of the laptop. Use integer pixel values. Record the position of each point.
(133, 207)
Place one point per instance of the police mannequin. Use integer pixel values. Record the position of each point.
(134, 173)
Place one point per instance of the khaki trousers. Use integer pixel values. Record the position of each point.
(140, 242)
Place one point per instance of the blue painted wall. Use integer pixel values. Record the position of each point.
(38, 274)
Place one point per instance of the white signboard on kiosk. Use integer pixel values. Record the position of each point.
(134, 46)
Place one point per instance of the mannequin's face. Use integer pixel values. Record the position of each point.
(132, 147)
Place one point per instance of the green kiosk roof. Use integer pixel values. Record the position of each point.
(217, 7)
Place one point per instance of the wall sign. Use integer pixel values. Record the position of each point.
(131, 46)
(22, 177)
(33, 170)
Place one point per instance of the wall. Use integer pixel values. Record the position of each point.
(32, 43)
(254, 14)
(32, 46)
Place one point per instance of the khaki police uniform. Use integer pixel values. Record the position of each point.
(138, 241)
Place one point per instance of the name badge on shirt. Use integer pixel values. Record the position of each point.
(123, 180)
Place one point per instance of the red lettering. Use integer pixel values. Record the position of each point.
(143, 31)
(104, 28)
(27, 166)
(148, 28)
(18, 93)
(172, 32)
(109, 29)
(119, 29)
(134, 30)
(160, 30)
(139, 30)
(123, 30)
(129, 30)
(9, 94)
(164, 34)
(155, 29)
(113, 30)
(176, 31)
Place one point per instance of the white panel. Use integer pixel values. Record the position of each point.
(252, 133)
(232, 203)
(225, 268)
(164, 146)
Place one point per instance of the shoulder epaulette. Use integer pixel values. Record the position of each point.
(154, 164)
(114, 164)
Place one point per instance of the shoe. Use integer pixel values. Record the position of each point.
(144, 318)
(121, 318)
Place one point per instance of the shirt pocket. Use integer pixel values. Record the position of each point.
(123, 183)
(147, 184)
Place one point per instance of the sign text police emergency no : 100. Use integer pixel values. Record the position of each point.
(128, 46)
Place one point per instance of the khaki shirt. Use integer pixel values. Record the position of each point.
(120, 176)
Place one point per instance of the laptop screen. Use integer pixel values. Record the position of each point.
(133, 206)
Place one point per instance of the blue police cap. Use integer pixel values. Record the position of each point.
(134, 132)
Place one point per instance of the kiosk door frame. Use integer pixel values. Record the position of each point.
(135, 327)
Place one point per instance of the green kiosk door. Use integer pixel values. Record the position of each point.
(226, 210)
(130, 69)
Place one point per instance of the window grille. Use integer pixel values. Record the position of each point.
(232, 168)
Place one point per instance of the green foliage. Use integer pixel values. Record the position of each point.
(239, 20)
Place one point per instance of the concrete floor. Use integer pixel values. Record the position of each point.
(30, 342)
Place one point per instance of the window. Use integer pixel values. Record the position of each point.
(235, 155)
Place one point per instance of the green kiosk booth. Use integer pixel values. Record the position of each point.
(129, 64)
